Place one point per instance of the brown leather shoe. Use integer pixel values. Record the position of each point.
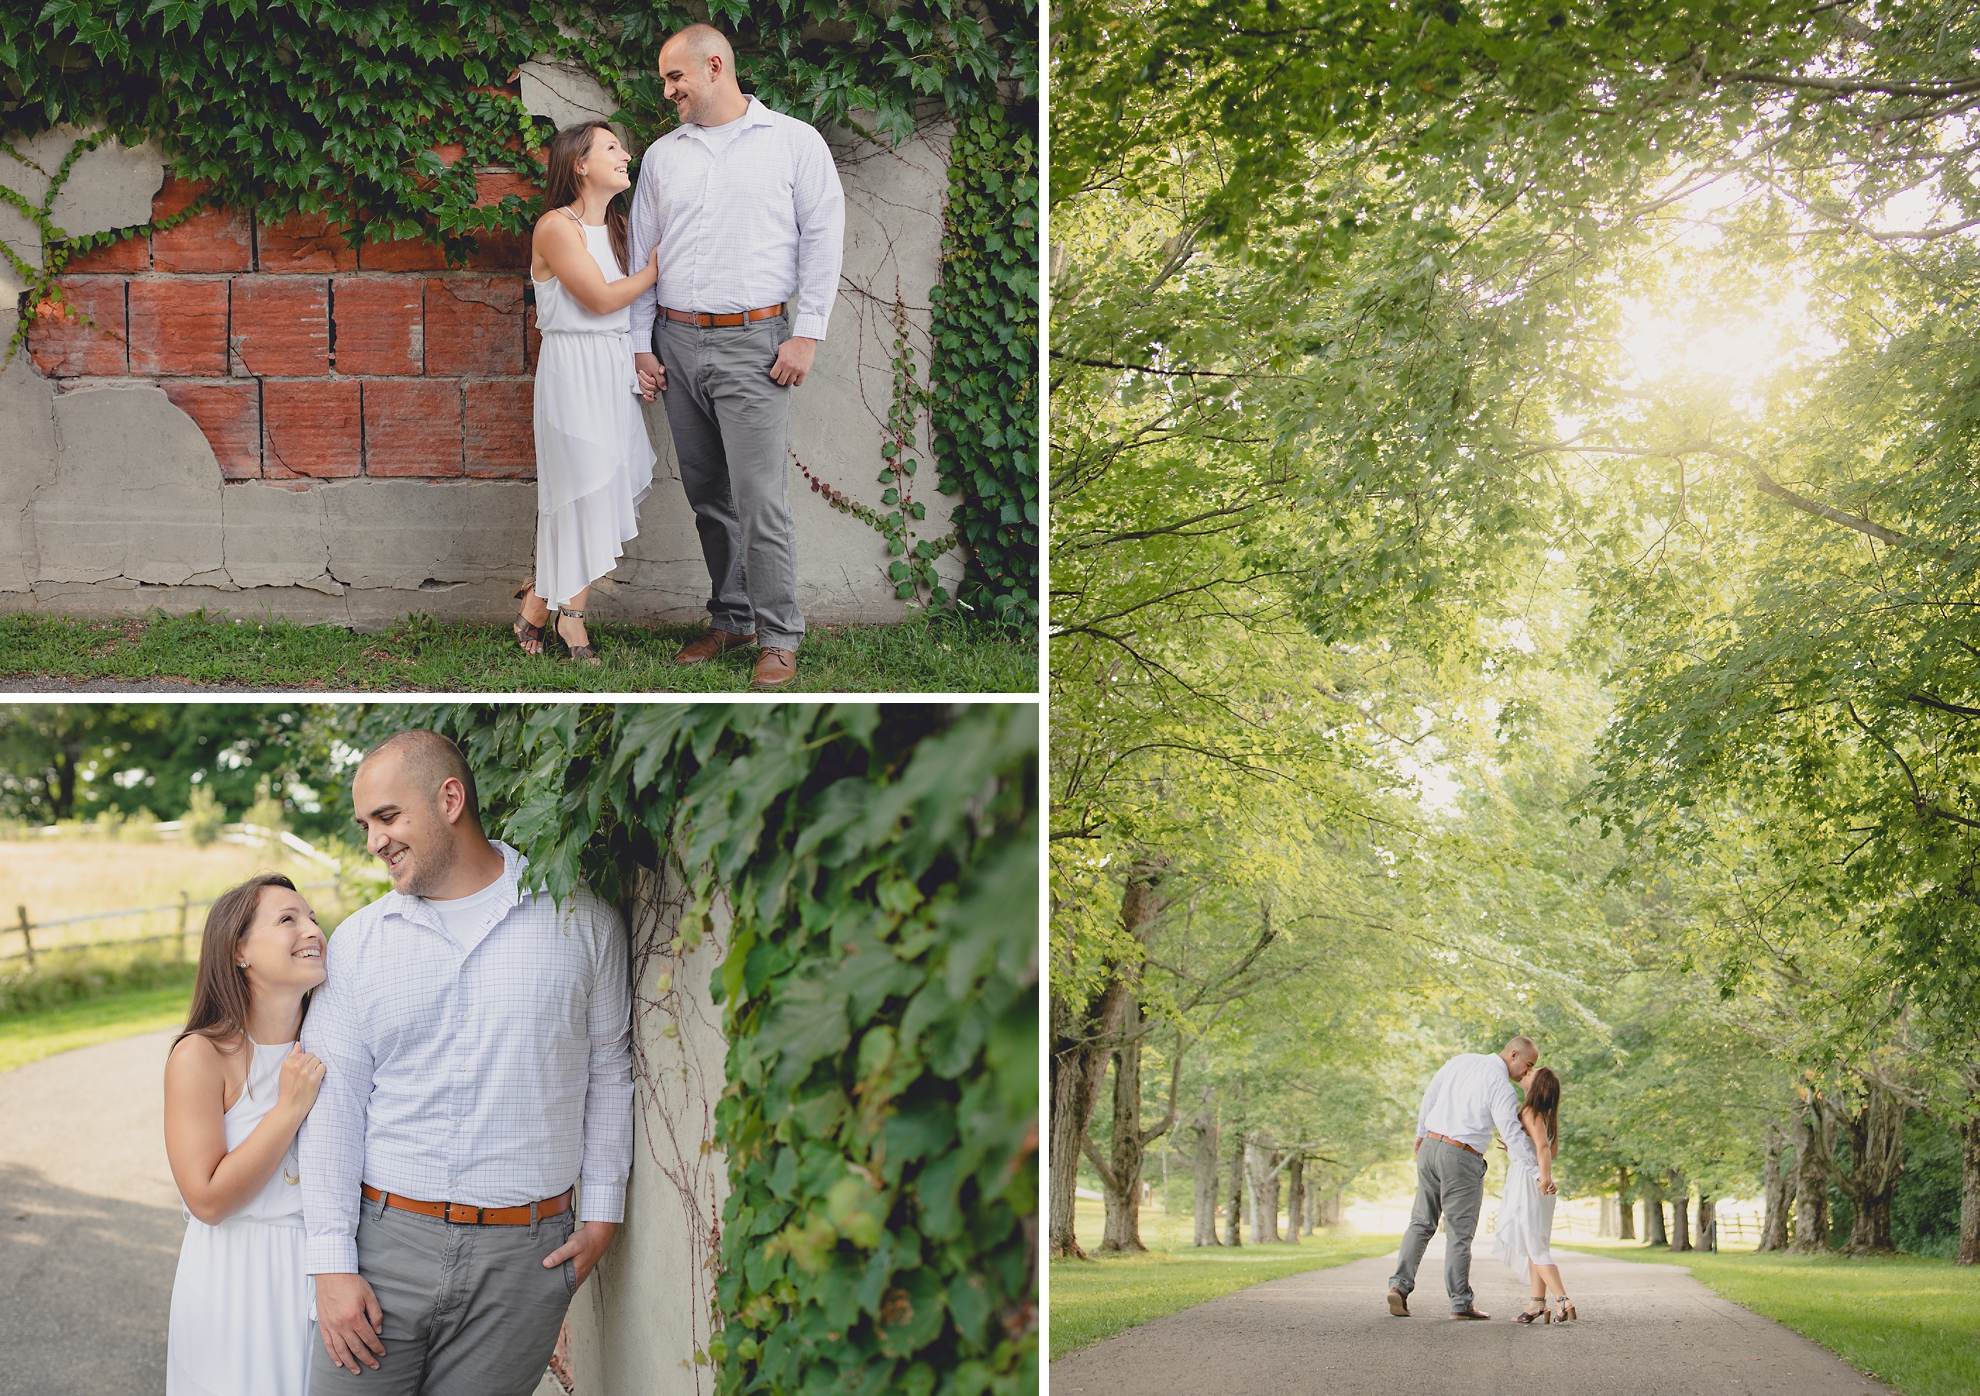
(712, 644)
(775, 668)
(1398, 1303)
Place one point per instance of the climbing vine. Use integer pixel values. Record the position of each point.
(879, 993)
(983, 381)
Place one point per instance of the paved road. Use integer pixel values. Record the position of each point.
(1647, 1330)
(90, 1223)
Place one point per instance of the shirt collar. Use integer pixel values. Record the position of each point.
(419, 911)
(755, 114)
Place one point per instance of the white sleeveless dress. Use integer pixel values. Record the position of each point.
(1524, 1224)
(241, 1322)
(594, 462)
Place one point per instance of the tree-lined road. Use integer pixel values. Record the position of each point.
(1649, 1330)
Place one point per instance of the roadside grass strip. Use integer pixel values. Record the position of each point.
(937, 652)
(27, 1037)
(1095, 1299)
(1908, 1321)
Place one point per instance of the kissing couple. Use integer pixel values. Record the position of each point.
(1470, 1096)
(377, 1140)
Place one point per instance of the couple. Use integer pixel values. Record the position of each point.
(465, 1046)
(738, 231)
(1468, 1096)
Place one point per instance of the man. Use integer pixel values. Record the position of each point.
(478, 1054)
(746, 206)
(1469, 1095)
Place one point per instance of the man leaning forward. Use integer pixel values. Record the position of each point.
(476, 1039)
(748, 211)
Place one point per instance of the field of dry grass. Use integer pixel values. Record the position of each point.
(76, 874)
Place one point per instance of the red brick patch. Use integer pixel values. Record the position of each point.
(64, 348)
(311, 429)
(474, 325)
(532, 338)
(281, 326)
(412, 429)
(405, 254)
(500, 252)
(500, 440)
(213, 240)
(125, 254)
(229, 414)
(179, 328)
(378, 322)
(303, 242)
(492, 187)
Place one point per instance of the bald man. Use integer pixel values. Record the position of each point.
(746, 207)
(1469, 1096)
(476, 1040)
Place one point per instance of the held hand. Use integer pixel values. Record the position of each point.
(793, 362)
(348, 1316)
(587, 1247)
(302, 1078)
(652, 375)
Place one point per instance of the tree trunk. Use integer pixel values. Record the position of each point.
(1814, 1139)
(1120, 1172)
(1295, 1197)
(1205, 1163)
(1680, 1211)
(1876, 1145)
(1969, 1191)
(1653, 1215)
(1774, 1184)
(1084, 1037)
(1708, 1222)
(1627, 1203)
(1261, 1164)
(1233, 1233)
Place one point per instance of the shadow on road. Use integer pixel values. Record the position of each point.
(85, 1289)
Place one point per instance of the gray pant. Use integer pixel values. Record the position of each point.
(1449, 1182)
(731, 428)
(469, 1310)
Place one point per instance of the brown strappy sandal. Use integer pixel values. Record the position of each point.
(527, 634)
(584, 654)
(1543, 1314)
(1567, 1309)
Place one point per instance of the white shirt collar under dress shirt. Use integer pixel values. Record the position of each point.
(759, 221)
(488, 1064)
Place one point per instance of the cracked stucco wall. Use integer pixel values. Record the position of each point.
(115, 503)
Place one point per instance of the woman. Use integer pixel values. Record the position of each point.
(1526, 1213)
(594, 464)
(237, 1087)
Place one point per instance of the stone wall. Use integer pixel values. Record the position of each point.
(263, 421)
(638, 1321)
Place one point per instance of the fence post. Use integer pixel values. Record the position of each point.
(26, 938)
(183, 904)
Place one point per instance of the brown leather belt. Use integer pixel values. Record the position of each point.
(705, 320)
(463, 1215)
(1448, 1140)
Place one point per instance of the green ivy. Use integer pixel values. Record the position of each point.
(881, 1006)
(983, 384)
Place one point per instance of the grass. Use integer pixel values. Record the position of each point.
(1095, 1299)
(940, 652)
(1905, 1320)
(28, 1037)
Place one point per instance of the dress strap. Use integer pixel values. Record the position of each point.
(574, 216)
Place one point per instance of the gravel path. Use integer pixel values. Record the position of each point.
(1649, 1330)
(90, 1223)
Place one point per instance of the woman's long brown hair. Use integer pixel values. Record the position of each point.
(1543, 1098)
(560, 182)
(220, 996)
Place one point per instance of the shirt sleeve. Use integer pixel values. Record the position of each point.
(642, 232)
(608, 1126)
(1505, 1114)
(331, 1145)
(819, 201)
